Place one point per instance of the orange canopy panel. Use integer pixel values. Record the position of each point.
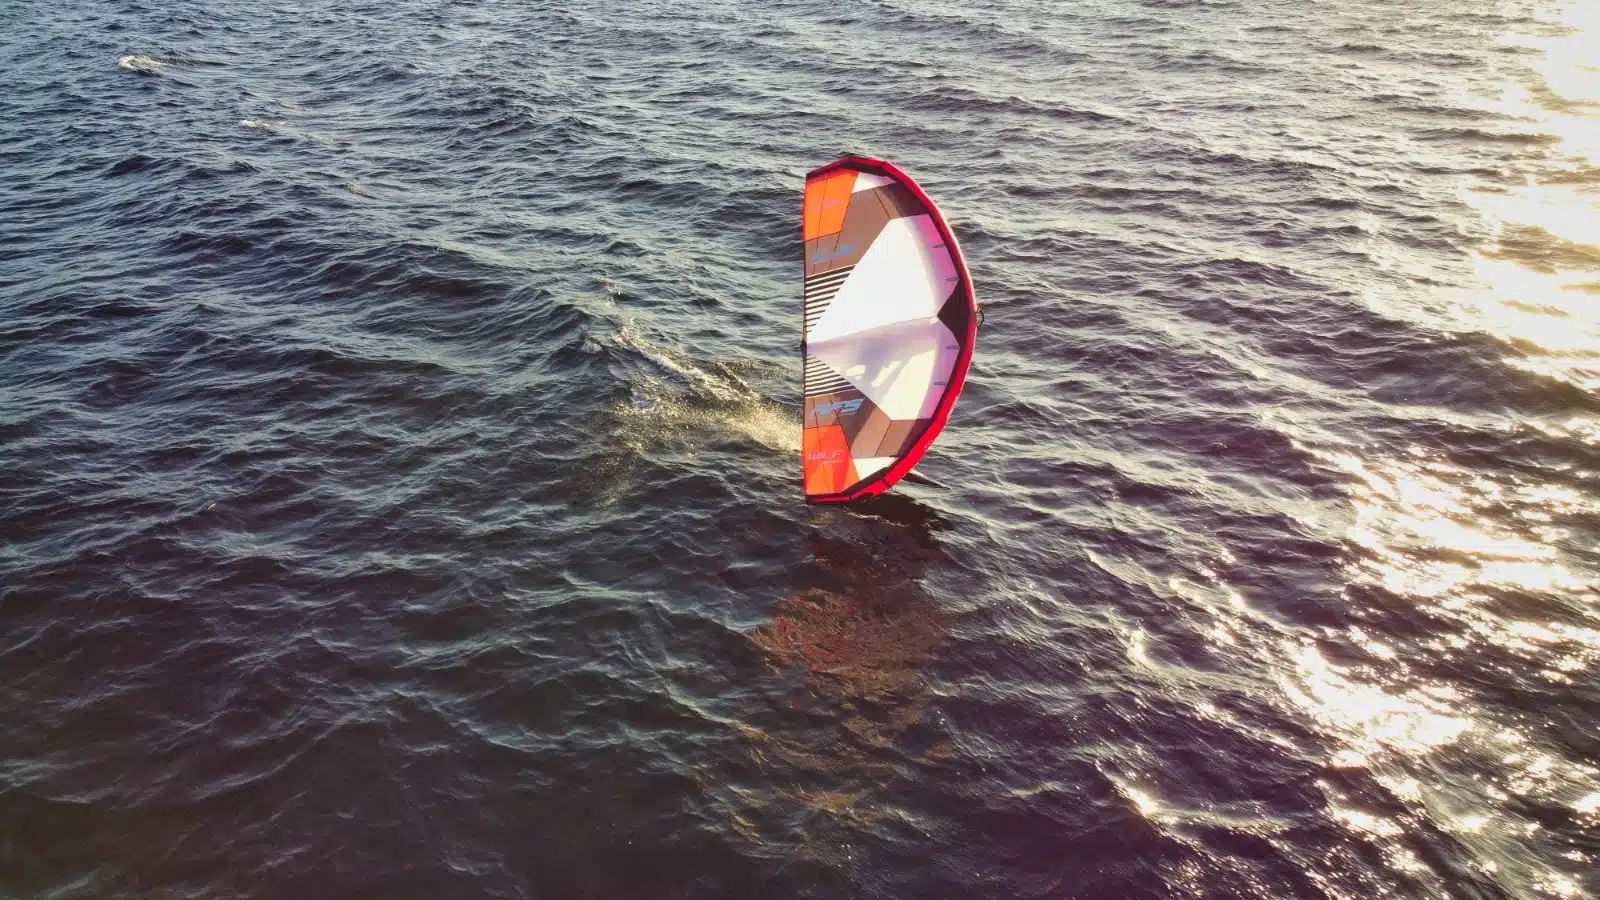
(827, 198)
(828, 465)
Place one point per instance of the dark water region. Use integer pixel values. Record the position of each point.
(399, 477)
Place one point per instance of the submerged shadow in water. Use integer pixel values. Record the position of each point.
(857, 639)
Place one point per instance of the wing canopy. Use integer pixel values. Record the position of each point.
(889, 325)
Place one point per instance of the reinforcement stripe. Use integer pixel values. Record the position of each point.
(820, 378)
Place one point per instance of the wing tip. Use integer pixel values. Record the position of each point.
(849, 160)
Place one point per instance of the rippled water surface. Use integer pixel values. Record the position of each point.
(399, 475)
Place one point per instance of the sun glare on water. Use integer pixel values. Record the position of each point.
(1540, 266)
(1482, 558)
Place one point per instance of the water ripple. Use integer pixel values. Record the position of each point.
(398, 439)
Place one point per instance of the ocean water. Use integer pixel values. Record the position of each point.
(399, 474)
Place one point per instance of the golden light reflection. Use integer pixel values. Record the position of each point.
(1452, 541)
(1147, 804)
(1556, 311)
(1559, 885)
(1414, 721)
(1367, 822)
(1546, 296)
(1566, 212)
(1578, 134)
(1424, 537)
(1567, 69)
(1404, 788)
(1569, 62)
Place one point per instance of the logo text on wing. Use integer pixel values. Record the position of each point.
(841, 408)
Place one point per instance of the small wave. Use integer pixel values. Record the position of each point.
(144, 65)
(655, 423)
(722, 388)
(676, 397)
(137, 162)
(1478, 135)
(284, 129)
(945, 99)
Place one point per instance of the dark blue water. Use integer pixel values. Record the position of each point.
(399, 477)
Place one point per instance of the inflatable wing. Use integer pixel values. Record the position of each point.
(890, 325)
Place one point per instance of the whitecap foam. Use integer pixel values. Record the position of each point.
(682, 397)
(144, 65)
